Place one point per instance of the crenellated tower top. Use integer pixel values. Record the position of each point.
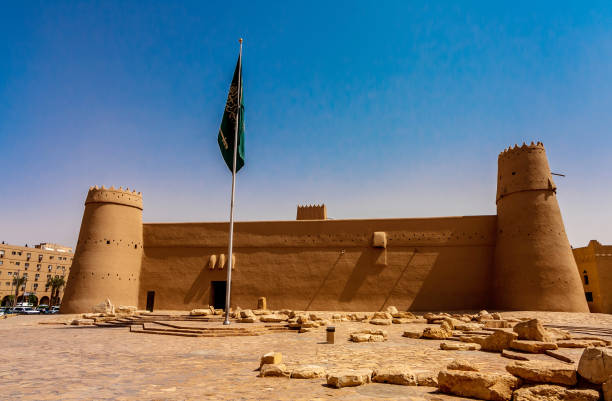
(118, 196)
(312, 212)
(516, 150)
(523, 168)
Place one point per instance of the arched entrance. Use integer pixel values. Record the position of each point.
(6, 301)
(44, 301)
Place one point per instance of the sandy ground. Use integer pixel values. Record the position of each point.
(59, 362)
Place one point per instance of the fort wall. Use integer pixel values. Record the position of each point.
(517, 259)
(437, 263)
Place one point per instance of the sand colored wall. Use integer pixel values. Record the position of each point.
(439, 263)
(595, 262)
(519, 259)
(534, 265)
(108, 254)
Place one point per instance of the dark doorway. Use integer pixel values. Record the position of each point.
(217, 290)
(150, 300)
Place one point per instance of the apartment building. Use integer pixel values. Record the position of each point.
(38, 264)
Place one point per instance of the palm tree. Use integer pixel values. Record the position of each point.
(18, 282)
(56, 283)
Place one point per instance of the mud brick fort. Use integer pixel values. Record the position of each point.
(517, 259)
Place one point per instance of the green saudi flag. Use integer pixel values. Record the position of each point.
(227, 131)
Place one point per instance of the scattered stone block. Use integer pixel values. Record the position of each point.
(398, 374)
(459, 346)
(248, 320)
(404, 315)
(315, 317)
(279, 370)
(600, 339)
(392, 310)
(381, 322)
(558, 355)
(469, 326)
(532, 330)
(382, 315)
(496, 316)
(246, 313)
(558, 334)
(438, 333)
(413, 333)
(514, 355)
(496, 324)
(579, 343)
(307, 372)
(483, 386)
(452, 322)
(272, 318)
(428, 379)
(310, 324)
(435, 318)
(271, 358)
(595, 365)
(200, 312)
(304, 329)
(91, 315)
(547, 392)
(349, 378)
(360, 337)
(461, 364)
(534, 347)
(104, 307)
(478, 339)
(544, 372)
(368, 336)
(127, 310)
(303, 318)
(498, 341)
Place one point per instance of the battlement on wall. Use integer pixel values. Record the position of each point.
(312, 212)
(114, 195)
(517, 150)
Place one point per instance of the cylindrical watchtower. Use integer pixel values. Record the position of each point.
(108, 254)
(534, 265)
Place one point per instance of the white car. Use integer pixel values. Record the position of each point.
(20, 310)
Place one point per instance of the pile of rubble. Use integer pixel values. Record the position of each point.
(104, 312)
(523, 381)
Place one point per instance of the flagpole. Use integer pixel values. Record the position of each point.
(229, 263)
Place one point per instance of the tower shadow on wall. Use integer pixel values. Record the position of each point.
(329, 273)
(399, 279)
(456, 275)
(364, 267)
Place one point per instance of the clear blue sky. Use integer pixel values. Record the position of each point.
(378, 109)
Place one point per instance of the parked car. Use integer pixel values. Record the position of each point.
(43, 308)
(21, 310)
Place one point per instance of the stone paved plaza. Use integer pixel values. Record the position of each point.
(63, 362)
